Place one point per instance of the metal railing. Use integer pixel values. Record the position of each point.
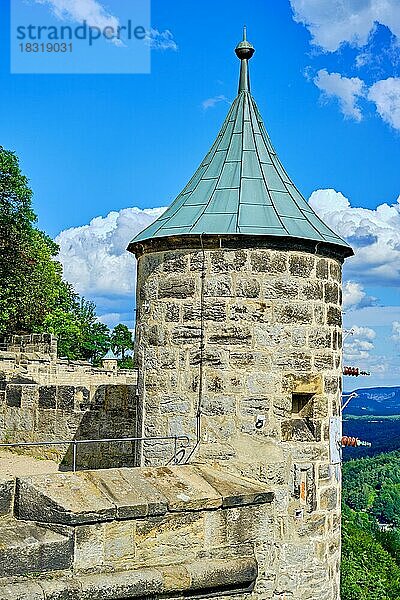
(184, 439)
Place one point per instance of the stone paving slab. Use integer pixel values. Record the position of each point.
(235, 491)
(133, 496)
(105, 495)
(67, 498)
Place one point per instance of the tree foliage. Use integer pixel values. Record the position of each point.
(370, 555)
(31, 280)
(33, 295)
(121, 340)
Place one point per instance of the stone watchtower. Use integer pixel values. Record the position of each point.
(239, 343)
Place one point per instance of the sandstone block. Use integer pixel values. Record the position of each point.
(293, 313)
(328, 499)
(66, 498)
(65, 397)
(13, 395)
(154, 335)
(119, 544)
(265, 261)
(322, 268)
(301, 265)
(211, 357)
(132, 495)
(175, 286)
(218, 286)
(62, 588)
(185, 334)
(235, 491)
(124, 585)
(335, 271)
(28, 590)
(212, 311)
(334, 316)
(28, 548)
(183, 487)
(230, 335)
(219, 405)
(171, 312)
(312, 290)
(320, 338)
(331, 292)
(224, 261)
(175, 263)
(248, 287)
(7, 487)
(280, 288)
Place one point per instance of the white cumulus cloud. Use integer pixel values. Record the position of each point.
(94, 256)
(346, 90)
(386, 96)
(374, 235)
(396, 331)
(360, 344)
(355, 296)
(91, 11)
(335, 22)
(161, 40)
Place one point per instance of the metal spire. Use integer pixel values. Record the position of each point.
(244, 51)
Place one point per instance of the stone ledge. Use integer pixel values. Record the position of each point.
(112, 494)
(204, 576)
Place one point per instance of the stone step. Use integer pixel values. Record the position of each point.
(26, 548)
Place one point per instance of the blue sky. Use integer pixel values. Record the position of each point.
(329, 92)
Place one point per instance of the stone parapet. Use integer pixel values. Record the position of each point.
(127, 533)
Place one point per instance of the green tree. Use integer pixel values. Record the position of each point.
(31, 280)
(368, 572)
(121, 340)
(33, 295)
(386, 506)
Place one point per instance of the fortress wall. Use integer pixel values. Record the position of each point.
(45, 399)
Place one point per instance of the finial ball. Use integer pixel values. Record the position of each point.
(244, 50)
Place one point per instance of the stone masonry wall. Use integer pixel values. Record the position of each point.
(43, 413)
(268, 379)
(45, 399)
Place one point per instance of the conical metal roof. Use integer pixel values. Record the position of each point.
(241, 187)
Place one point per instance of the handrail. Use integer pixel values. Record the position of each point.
(75, 443)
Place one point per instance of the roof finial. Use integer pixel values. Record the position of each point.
(244, 50)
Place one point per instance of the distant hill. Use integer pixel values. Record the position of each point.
(375, 401)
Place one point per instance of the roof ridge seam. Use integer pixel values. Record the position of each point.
(263, 176)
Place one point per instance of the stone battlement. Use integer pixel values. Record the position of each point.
(46, 399)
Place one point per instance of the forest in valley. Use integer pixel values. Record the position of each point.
(371, 528)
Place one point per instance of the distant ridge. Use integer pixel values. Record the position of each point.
(381, 401)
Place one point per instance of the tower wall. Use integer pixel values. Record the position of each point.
(240, 349)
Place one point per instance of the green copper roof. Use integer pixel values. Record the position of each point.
(241, 187)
